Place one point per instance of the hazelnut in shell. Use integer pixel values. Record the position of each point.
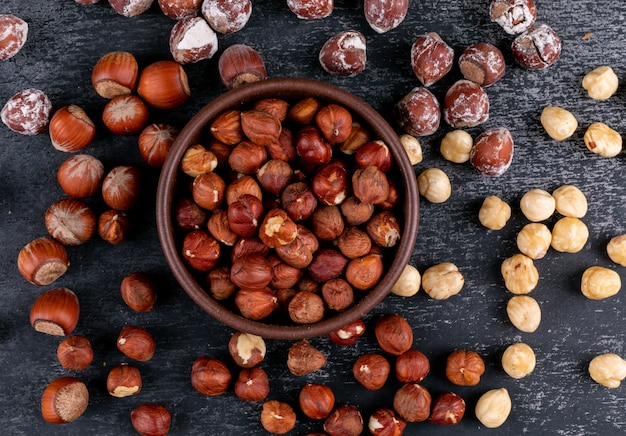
(64, 400)
(115, 73)
(42, 261)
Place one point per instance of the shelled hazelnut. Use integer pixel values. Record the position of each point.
(138, 292)
(447, 409)
(124, 380)
(524, 313)
(209, 376)
(344, 54)
(537, 205)
(466, 104)
(412, 402)
(393, 334)
(442, 281)
(520, 274)
(464, 367)
(616, 249)
(418, 112)
(603, 140)
(493, 407)
(385, 422)
(569, 235)
(27, 112)
(494, 213)
(534, 240)
(252, 384)
(570, 201)
(303, 358)
(558, 123)
(75, 353)
(598, 283)
(412, 147)
(311, 9)
(608, 369)
(537, 48)
(431, 58)
(434, 185)
(371, 370)
(316, 400)
(113, 226)
(277, 417)
(346, 420)
(151, 419)
(601, 83)
(136, 343)
(456, 146)
(518, 360)
(383, 15)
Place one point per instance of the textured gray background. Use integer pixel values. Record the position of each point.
(66, 40)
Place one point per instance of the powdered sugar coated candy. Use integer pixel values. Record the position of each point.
(227, 16)
(537, 48)
(418, 112)
(514, 16)
(385, 15)
(431, 58)
(27, 112)
(492, 152)
(466, 104)
(13, 35)
(482, 63)
(192, 40)
(344, 54)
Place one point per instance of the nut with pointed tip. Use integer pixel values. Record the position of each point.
(200, 250)
(447, 409)
(64, 400)
(71, 222)
(42, 261)
(247, 157)
(198, 160)
(482, 63)
(240, 64)
(277, 417)
(492, 152)
(384, 229)
(412, 366)
(151, 420)
(260, 127)
(394, 334)
(71, 129)
(27, 112)
(192, 40)
(370, 185)
(464, 367)
(75, 353)
(55, 312)
(115, 73)
(251, 272)
(155, 142)
(364, 272)
(256, 304)
(303, 358)
(227, 17)
(164, 85)
(124, 380)
(306, 308)
(348, 334)
(418, 112)
(466, 104)
(371, 370)
(136, 343)
(344, 54)
(412, 402)
(384, 422)
(113, 226)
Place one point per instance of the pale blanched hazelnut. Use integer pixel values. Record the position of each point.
(518, 360)
(616, 249)
(494, 213)
(602, 140)
(434, 185)
(534, 240)
(537, 205)
(409, 282)
(493, 407)
(570, 201)
(601, 83)
(520, 274)
(608, 370)
(558, 123)
(524, 313)
(456, 146)
(598, 283)
(412, 147)
(569, 235)
(442, 281)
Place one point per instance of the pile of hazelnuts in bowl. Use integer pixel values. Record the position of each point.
(287, 208)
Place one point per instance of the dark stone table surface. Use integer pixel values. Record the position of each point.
(66, 39)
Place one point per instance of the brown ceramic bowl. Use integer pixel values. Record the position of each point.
(292, 90)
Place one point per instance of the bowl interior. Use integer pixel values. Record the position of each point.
(290, 89)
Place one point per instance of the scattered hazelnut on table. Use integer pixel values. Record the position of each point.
(13, 36)
(447, 409)
(371, 371)
(534, 240)
(434, 185)
(345, 420)
(603, 140)
(393, 333)
(558, 123)
(569, 235)
(601, 83)
(409, 282)
(616, 249)
(151, 419)
(514, 16)
(537, 205)
(482, 63)
(598, 283)
(138, 292)
(75, 353)
(303, 358)
(115, 73)
(121, 187)
(70, 221)
(384, 422)
(520, 274)
(456, 146)
(125, 115)
(431, 58)
(412, 402)
(113, 226)
(492, 152)
(124, 380)
(412, 147)
(71, 129)
(570, 201)
(155, 142)
(608, 369)
(311, 9)
(466, 104)
(493, 407)
(277, 417)
(252, 384)
(178, 9)
(64, 400)
(464, 367)
(384, 15)
(81, 176)
(418, 112)
(344, 54)
(442, 281)
(130, 8)
(227, 17)
(136, 343)
(524, 313)
(27, 112)
(494, 213)
(164, 85)
(537, 48)
(192, 40)
(42, 261)
(412, 366)
(518, 360)
(209, 376)
(316, 400)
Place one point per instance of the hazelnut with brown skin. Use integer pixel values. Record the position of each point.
(124, 380)
(277, 417)
(284, 148)
(113, 226)
(514, 16)
(482, 63)
(464, 367)
(344, 54)
(384, 422)
(348, 334)
(198, 160)
(227, 17)
(277, 229)
(226, 127)
(447, 409)
(306, 308)
(354, 242)
(334, 122)
(393, 333)
(537, 48)
(246, 349)
(374, 153)
(303, 111)
(136, 343)
(364, 272)
(312, 147)
(285, 275)
(303, 358)
(219, 225)
(327, 223)
(219, 285)
(298, 200)
(275, 106)
(418, 112)
(252, 384)
(75, 353)
(412, 402)
(371, 370)
(71, 222)
(355, 211)
(327, 264)
(465, 104)
(337, 293)
(274, 175)
(260, 127)
(345, 420)
(151, 420)
(251, 272)
(431, 58)
(200, 250)
(138, 292)
(330, 184)
(316, 400)
(370, 185)
(256, 304)
(384, 229)
(208, 190)
(244, 215)
(247, 157)
(412, 366)
(188, 215)
(241, 186)
(209, 376)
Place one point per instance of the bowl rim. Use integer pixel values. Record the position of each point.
(289, 88)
